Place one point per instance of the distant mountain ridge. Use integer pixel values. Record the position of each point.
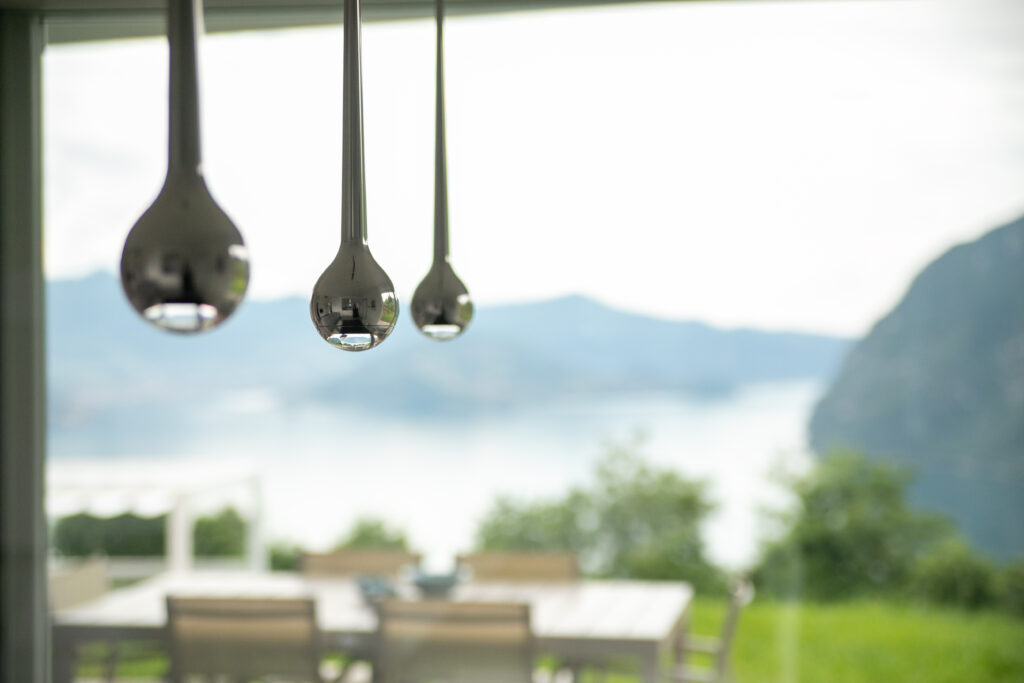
(105, 362)
(938, 384)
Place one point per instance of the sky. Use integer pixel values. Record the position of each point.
(785, 165)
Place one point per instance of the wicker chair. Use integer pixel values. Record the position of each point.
(242, 639)
(357, 561)
(716, 648)
(77, 584)
(453, 642)
(526, 567)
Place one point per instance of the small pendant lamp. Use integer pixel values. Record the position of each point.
(353, 306)
(184, 267)
(441, 307)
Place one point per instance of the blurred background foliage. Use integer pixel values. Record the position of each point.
(218, 535)
(634, 520)
(854, 574)
(850, 534)
(370, 532)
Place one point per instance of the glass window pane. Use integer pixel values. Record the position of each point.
(724, 346)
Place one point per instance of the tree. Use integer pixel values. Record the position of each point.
(370, 532)
(634, 521)
(539, 526)
(649, 521)
(852, 533)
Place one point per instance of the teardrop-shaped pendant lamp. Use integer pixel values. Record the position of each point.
(184, 267)
(353, 306)
(441, 306)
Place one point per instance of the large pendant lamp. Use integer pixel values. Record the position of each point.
(184, 267)
(441, 306)
(353, 306)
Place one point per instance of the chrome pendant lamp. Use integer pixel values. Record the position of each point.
(184, 267)
(353, 306)
(441, 307)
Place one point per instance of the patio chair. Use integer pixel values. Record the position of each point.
(527, 567)
(453, 642)
(521, 566)
(242, 639)
(357, 561)
(716, 648)
(79, 583)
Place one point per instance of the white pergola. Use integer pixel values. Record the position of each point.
(149, 490)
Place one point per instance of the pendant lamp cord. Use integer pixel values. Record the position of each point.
(353, 187)
(440, 153)
(184, 21)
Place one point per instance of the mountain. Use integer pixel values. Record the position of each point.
(112, 374)
(938, 384)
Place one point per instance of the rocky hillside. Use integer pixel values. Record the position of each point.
(939, 385)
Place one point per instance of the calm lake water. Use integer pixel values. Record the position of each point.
(321, 469)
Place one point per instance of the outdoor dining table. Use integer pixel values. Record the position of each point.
(585, 622)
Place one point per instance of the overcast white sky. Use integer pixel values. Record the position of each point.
(782, 165)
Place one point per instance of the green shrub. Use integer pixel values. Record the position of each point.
(536, 526)
(82, 535)
(1011, 588)
(852, 534)
(128, 535)
(78, 535)
(369, 532)
(951, 574)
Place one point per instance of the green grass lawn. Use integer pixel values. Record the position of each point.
(874, 641)
(865, 642)
(857, 642)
